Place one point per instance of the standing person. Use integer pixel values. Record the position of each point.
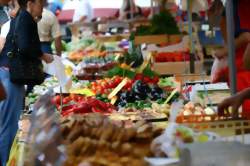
(27, 41)
(83, 11)
(14, 7)
(127, 8)
(242, 40)
(49, 30)
(3, 15)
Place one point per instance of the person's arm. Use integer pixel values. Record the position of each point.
(58, 45)
(240, 41)
(83, 19)
(56, 34)
(4, 32)
(2, 42)
(2, 92)
(246, 57)
(235, 102)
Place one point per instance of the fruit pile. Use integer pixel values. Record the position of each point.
(140, 95)
(77, 104)
(105, 86)
(172, 57)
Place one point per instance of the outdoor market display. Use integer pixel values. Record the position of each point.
(120, 109)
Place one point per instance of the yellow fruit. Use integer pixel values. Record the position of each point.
(68, 70)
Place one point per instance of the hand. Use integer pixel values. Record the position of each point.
(221, 53)
(234, 102)
(48, 58)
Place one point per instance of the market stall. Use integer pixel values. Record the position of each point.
(130, 98)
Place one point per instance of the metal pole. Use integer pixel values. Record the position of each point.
(231, 46)
(190, 31)
(152, 7)
(131, 9)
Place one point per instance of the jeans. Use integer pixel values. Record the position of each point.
(46, 47)
(10, 111)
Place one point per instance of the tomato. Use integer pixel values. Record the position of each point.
(146, 79)
(66, 100)
(96, 110)
(117, 80)
(138, 76)
(155, 80)
(93, 83)
(82, 108)
(106, 91)
(56, 100)
(79, 98)
(66, 108)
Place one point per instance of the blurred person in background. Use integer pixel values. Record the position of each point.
(29, 44)
(55, 6)
(3, 15)
(83, 11)
(49, 31)
(14, 7)
(130, 10)
(242, 40)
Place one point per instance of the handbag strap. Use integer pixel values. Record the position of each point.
(15, 36)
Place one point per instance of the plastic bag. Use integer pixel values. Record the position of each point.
(218, 66)
(57, 69)
(44, 138)
(165, 143)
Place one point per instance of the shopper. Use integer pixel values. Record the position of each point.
(83, 11)
(129, 10)
(28, 43)
(242, 38)
(3, 15)
(2, 92)
(234, 102)
(14, 7)
(49, 30)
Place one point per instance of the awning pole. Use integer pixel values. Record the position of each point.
(231, 46)
(190, 31)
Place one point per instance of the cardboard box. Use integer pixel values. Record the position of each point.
(158, 39)
(172, 68)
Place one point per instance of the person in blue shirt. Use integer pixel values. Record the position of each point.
(29, 44)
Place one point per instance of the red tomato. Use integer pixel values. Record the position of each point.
(138, 76)
(146, 79)
(56, 100)
(96, 110)
(66, 100)
(155, 80)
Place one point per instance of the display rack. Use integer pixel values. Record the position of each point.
(158, 39)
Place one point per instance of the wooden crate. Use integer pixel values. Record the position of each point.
(173, 68)
(183, 78)
(158, 39)
(112, 38)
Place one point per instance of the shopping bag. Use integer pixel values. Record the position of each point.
(57, 69)
(217, 74)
